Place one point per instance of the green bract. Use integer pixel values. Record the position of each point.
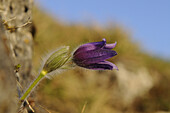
(57, 59)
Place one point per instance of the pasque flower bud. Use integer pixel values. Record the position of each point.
(91, 56)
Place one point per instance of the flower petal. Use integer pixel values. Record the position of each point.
(90, 46)
(110, 46)
(95, 55)
(104, 65)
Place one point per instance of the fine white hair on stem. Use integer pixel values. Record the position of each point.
(59, 70)
(47, 56)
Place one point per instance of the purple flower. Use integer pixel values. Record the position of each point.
(93, 55)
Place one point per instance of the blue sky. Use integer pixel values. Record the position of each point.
(148, 20)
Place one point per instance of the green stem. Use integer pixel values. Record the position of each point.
(33, 85)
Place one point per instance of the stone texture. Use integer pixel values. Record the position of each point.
(15, 48)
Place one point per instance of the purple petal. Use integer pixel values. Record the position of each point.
(104, 65)
(110, 46)
(95, 56)
(90, 46)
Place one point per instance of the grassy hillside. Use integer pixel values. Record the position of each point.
(140, 85)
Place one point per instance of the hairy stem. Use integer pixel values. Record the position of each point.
(33, 85)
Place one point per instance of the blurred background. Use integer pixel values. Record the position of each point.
(141, 29)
